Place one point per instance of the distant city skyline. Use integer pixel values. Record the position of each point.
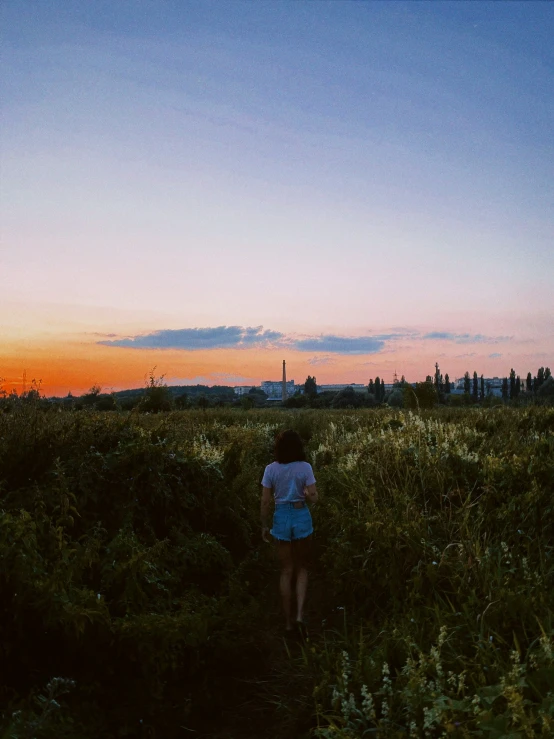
(206, 187)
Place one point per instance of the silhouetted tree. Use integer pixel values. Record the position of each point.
(447, 384)
(310, 387)
(546, 390)
(512, 383)
(529, 383)
(518, 386)
(467, 383)
(90, 399)
(371, 388)
(157, 396)
(482, 394)
(505, 388)
(475, 387)
(378, 389)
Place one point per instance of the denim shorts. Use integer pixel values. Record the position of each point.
(291, 523)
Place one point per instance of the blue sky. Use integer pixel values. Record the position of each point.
(322, 169)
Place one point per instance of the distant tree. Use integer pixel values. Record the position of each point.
(475, 387)
(518, 386)
(298, 400)
(424, 395)
(467, 383)
(310, 387)
(371, 387)
(547, 374)
(203, 402)
(505, 388)
(378, 389)
(182, 401)
(529, 383)
(347, 398)
(396, 398)
(512, 383)
(546, 390)
(540, 377)
(447, 384)
(107, 402)
(258, 396)
(403, 381)
(157, 396)
(482, 393)
(89, 400)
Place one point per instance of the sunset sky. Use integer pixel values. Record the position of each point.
(213, 187)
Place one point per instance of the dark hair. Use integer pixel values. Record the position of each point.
(289, 447)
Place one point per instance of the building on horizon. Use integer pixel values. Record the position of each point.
(493, 386)
(274, 389)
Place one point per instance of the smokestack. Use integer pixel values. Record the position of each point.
(284, 389)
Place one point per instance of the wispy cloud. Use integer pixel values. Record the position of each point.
(465, 338)
(494, 355)
(317, 361)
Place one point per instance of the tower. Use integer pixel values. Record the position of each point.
(284, 388)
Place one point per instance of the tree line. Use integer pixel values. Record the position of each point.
(437, 389)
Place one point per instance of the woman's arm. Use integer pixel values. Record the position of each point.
(311, 493)
(264, 512)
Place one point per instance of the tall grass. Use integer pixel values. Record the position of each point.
(132, 573)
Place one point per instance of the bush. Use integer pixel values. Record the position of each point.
(134, 586)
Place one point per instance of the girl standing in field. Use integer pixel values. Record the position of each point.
(292, 481)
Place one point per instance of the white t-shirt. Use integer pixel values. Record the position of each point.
(288, 480)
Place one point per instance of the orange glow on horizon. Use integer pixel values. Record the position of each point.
(75, 366)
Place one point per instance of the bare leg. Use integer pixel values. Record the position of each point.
(302, 551)
(301, 585)
(284, 552)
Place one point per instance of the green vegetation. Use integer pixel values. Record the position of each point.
(138, 600)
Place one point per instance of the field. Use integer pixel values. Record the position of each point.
(138, 600)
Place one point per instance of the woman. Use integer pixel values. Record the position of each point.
(292, 481)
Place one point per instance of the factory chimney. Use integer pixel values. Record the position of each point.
(284, 389)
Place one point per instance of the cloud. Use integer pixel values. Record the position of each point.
(494, 355)
(339, 344)
(238, 337)
(191, 339)
(463, 356)
(316, 361)
(464, 338)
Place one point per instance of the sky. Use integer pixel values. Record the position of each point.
(208, 188)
